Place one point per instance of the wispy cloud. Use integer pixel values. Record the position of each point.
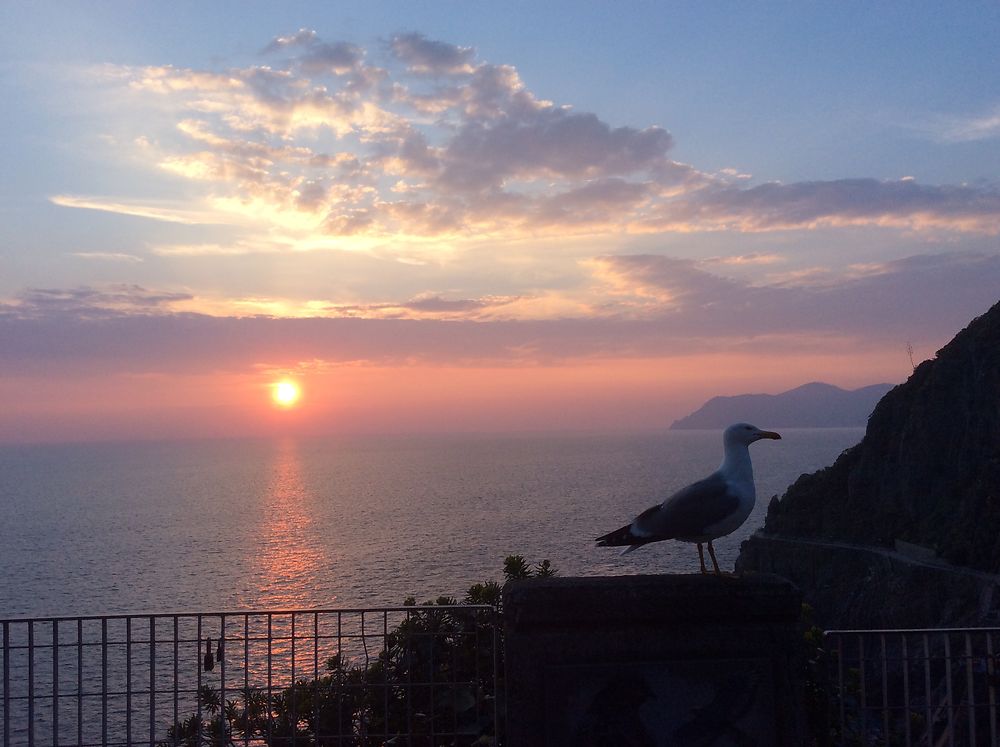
(87, 302)
(170, 214)
(952, 128)
(845, 202)
(109, 256)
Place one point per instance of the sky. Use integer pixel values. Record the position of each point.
(481, 217)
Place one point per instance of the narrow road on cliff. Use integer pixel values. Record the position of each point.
(936, 564)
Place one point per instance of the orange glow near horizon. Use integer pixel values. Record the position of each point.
(588, 394)
(286, 393)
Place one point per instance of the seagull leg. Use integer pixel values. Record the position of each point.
(711, 551)
(701, 558)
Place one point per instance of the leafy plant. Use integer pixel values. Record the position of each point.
(433, 676)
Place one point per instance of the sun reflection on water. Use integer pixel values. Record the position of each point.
(289, 560)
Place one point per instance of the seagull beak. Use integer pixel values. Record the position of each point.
(770, 434)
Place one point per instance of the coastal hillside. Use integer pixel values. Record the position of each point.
(925, 480)
(814, 405)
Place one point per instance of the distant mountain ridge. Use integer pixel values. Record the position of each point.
(813, 405)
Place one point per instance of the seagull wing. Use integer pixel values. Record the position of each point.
(689, 511)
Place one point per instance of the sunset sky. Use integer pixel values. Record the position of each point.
(474, 217)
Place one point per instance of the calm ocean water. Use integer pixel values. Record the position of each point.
(344, 521)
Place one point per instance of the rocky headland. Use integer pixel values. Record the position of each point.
(814, 405)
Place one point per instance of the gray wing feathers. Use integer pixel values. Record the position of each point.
(687, 512)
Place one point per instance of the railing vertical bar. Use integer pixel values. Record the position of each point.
(295, 709)
(454, 688)
(128, 681)
(385, 673)
(367, 684)
(31, 683)
(861, 669)
(270, 720)
(177, 682)
(246, 673)
(906, 689)
(55, 683)
(495, 617)
(222, 669)
(316, 673)
(409, 673)
(951, 701)
(477, 647)
(927, 690)
(340, 676)
(991, 672)
(971, 688)
(152, 679)
(840, 684)
(198, 664)
(79, 681)
(104, 680)
(433, 700)
(6, 684)
(476, 675)
(885, 687)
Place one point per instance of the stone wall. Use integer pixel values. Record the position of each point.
(653, 660)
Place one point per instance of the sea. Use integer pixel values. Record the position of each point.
(346, 521)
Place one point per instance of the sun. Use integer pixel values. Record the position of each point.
(285, 393)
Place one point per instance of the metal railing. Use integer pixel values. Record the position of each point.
(923, 687)
(412, 675)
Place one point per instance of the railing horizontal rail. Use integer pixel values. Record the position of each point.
(252, 612)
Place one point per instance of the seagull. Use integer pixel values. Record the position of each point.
(704, 510)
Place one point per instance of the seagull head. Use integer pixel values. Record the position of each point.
(744, 433)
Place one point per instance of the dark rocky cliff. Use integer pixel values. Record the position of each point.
(927, 471)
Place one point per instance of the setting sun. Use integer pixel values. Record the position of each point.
(286, 393)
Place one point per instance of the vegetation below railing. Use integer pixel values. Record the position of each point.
(436, 676)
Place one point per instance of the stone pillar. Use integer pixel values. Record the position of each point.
(653, 660)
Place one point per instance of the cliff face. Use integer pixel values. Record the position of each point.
(928, 468)
(927, 473)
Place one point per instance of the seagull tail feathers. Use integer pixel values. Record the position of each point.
(619, 537)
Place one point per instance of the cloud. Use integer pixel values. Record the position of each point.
(845, 202)
(547, 142)
(91, 303)
(746, 259)
(108, 256)
(169, 214)
(423, 55)
(961, 128)
(429, 306)
(906, 299)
